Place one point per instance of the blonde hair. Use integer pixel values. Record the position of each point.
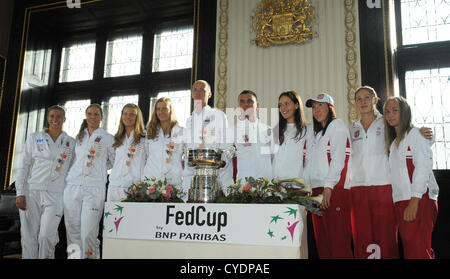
(154, 124)
(84, 124)
(371, 92)
(139, 129)
(405, 123)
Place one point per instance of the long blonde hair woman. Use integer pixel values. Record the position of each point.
(163, 143)
(130, 112)
(163, 116)
(130, 154)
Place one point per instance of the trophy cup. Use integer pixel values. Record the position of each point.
(205, 183)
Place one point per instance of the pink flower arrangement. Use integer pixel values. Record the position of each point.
(246, 187)
(166, 195)
(152, 190)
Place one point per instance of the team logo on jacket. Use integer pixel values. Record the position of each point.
(379, 131)
(98, 139)
(356, 133)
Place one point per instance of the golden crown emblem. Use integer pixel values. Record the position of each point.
(279, 22)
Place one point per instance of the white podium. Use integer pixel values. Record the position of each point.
(204, 231)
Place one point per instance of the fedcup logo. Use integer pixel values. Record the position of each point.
(73, 4)
(374, 4)
(283, 225)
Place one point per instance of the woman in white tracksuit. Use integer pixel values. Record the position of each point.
(291, 136)
(130, 157)
(373, 220)
(84, 196)
(40, 184)
(326, 171)
(414, 187)
(164, 145)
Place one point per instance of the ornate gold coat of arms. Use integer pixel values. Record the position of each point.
(278, 22)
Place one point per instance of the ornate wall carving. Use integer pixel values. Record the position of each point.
(329, 63)
(222, 55)
(351, 58)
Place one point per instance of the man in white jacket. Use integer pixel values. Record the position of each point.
(206, 128)
(252, 140)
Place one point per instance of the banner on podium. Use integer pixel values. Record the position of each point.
(249, 224)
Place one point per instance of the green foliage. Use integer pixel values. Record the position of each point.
(262, 190)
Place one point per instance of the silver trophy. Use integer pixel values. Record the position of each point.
(205, 183)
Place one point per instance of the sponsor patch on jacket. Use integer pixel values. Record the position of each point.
(379, 131)
(356, 135)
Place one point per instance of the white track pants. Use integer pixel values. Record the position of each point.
(83, 210)
(39, 224)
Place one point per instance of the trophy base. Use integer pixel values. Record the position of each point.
(204, 189)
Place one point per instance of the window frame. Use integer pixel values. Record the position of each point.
(417, 57)
(147, 84)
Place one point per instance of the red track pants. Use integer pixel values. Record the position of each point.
(416, 235)
(373, 222)
(333, 230)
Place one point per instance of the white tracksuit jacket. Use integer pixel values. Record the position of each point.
(209, 127)
(164, 155)
(84, 196)
(289, 158)
(369, 162)
(412, 157)
(253, 142)
(326, 156)
(41, 179)
(128, 167)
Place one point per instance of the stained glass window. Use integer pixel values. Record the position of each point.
(428, 93)
(173, 49)
(38, 64)
(77, 62)
(181, 101)
(123, 56)
(425, 21)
